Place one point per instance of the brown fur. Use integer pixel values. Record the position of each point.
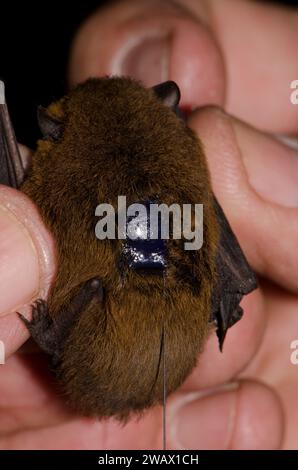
(119, 139)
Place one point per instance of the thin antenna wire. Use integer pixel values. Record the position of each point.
(164, 408)
(164, 374)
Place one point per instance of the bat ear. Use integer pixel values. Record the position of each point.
(169, 93)
(50, 127)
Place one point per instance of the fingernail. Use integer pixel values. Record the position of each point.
(205, 420)
(19, 269)
(147, 61)
(271, 164)
(287, 140)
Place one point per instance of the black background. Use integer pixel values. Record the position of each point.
(34, 45)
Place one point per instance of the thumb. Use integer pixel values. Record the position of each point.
(239, 415)
(26, 263)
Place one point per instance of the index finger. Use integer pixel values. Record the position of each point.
(237, 54)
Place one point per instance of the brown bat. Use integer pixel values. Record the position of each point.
(110, 318)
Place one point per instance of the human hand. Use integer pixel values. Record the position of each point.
(244, 397)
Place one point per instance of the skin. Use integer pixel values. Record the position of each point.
(246, 397)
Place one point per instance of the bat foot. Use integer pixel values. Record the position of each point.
(42, 328)
(224, 321)
(50, 332)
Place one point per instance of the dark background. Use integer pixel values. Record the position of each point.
(34, 45)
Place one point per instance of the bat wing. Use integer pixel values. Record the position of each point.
(11, 168)
(235, 279)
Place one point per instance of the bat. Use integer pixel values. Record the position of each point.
(113, 325)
